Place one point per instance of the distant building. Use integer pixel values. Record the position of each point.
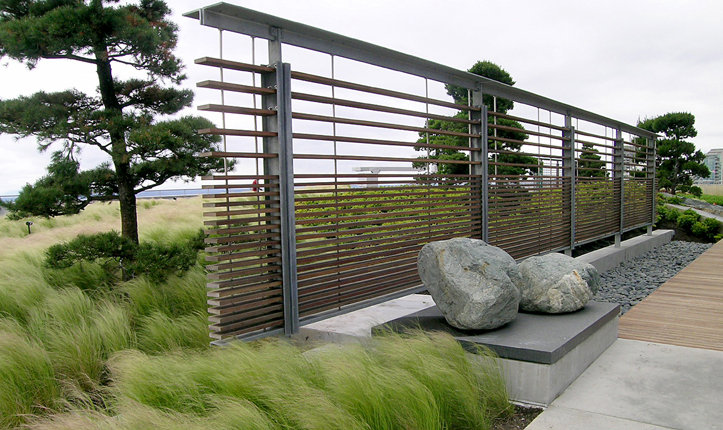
(714, 161)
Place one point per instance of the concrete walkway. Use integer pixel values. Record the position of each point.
(700, 212)
(643, 386)
(638, 384)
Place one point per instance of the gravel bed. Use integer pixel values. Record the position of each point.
(634, 280)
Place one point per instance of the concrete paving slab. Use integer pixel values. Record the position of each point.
(663, 385)
(558, 418)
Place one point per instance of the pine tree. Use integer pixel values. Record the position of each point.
(121, 119)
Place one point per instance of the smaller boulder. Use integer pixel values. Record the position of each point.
(472, 283)
(556, 283)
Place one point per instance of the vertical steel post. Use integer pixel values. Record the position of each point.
(619, 176)
(283, 166)
(652, 153)
(481, 169)
(569, 171)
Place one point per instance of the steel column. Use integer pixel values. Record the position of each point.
(569, 171)
(481, 169)
(619, 173)
(283, 166)
(652, 173)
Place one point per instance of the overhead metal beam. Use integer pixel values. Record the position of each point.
(253, 23)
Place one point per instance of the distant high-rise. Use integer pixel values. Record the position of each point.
(714, 161)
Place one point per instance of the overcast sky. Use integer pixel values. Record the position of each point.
(624, 59)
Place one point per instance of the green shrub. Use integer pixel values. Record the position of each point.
(114, 253)
(687, 219)
(709, 228)
(675, 200)
(698, 229)
(110, 250)
(695, 191)
(672, 214)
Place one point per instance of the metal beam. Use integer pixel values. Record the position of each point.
(253, 23)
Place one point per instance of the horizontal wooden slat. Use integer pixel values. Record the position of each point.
(234, 132)
(380, 159)
(373, 90)
(233, 65)
(236, 110)
(227, 86)
(378, 108)
(351, 121)
(327, 138)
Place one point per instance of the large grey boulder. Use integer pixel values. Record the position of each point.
(472, 283)
(556, 283)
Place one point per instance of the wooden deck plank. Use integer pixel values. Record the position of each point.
(685, 311)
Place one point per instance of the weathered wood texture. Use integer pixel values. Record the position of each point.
(685, 311)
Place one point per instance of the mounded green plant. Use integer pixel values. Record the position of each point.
(708, 228)
(687, 219)
(114, 252)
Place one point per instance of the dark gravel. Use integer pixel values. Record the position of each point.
(633, 280)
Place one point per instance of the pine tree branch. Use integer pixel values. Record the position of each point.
(71, 57)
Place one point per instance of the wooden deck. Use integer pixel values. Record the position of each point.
(685, 311)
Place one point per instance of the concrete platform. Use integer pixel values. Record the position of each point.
(642, 386)
(608, 258)
(541, 355)
(349, 327)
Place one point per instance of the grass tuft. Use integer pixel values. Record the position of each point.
(391, 383)
(177, 296)
(27, 381)
(159, 333)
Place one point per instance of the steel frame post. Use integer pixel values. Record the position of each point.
(569, 170)
(481, 169)
(283, 166)
(652, 150)
(619, 173)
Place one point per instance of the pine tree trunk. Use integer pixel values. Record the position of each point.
(121, 158)
(128, 213)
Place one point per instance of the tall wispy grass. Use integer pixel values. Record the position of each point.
(134, 355)
(80, 335)
(27, 380)
(22, 284)
(159, 333)
(350, 387)
(176, 297)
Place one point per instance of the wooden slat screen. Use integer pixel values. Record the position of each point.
(597, 186)
(529, 192)
(639, 192)
(552, 182)
(358, 235)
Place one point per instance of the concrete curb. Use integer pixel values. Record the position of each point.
(608, 258)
